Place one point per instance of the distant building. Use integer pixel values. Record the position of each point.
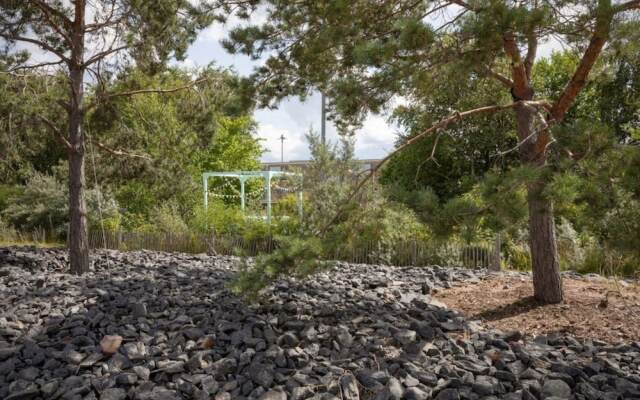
(365, 165)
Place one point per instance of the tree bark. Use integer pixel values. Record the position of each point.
(547, 282)
(78, 235)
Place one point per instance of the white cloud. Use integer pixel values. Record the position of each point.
(376, 137)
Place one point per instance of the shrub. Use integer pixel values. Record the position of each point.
(43, 205)
(295, 257)
(218, 218)
(166, 219)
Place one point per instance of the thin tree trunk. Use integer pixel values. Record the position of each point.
(547, 282)
(78, 235)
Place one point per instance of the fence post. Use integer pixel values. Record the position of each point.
(415, 252)
(495, 265)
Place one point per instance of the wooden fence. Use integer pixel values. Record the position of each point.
(405, 253)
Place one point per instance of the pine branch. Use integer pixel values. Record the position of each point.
(51, 11)
(117, 152)
(48, 12)
(43, 45)
(103, 54)
(35, 66)
(442, 124)
(521, 88)
(58, 133)
(508, 83)
(588, 60)
(107, 97)
(532, 50)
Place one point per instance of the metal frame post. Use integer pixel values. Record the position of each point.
(206, 191)
(268, 189)
(242, 200)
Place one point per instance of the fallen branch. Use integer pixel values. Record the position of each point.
(433, 128)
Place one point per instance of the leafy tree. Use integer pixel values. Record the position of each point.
(96, 37)
(456, 159)
(363, 53)
(175, 137)
(26, 139)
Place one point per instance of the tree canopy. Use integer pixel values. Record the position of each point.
(364, 54)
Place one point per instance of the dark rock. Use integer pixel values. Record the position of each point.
(113, 394)
(273, 395)
(448, 394)
(261, 374)
(555, 388)
(349, 387)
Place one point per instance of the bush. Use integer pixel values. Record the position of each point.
(166, 219)
(7, 233)
(608, 262)
(6, 192)
(219, 218)
(43, 204)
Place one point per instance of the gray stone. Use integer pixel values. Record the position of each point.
(405, 336)
(555, 388)
(448, 394)
(113, 394)
(261, 375)
(135, 351)
(414, 393)
(349, 387)
(139, 309)
(395, 389)
(273, 395)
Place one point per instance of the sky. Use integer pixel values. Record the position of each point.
(294, 118)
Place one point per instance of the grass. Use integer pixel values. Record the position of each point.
(8, 243)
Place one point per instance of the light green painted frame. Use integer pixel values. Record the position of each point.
(243, 176)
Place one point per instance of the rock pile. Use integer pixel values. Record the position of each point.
(156, 326)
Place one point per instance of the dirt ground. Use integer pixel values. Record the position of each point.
(601, 309)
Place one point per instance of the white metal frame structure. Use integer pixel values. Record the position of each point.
(243, 176)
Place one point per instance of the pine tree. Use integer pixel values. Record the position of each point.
(88, 40)
(363, 53)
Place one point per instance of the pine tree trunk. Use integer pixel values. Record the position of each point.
(547, 282)
(78, 241)
(78, 235)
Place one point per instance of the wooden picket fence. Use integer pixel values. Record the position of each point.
(405, 253)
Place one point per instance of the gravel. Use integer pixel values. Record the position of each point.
(355, 332)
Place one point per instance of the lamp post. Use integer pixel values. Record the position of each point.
(282, 138)
(323, 123)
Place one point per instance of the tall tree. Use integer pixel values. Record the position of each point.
(87, 40)
(362, 53)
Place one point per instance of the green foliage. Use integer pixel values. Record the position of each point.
(167, 219)
(43, 205)
(218, 218)
(6, 192)
(295, 257)
(26, 140)
(203, 130)
(328, 180)
(375, 220)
